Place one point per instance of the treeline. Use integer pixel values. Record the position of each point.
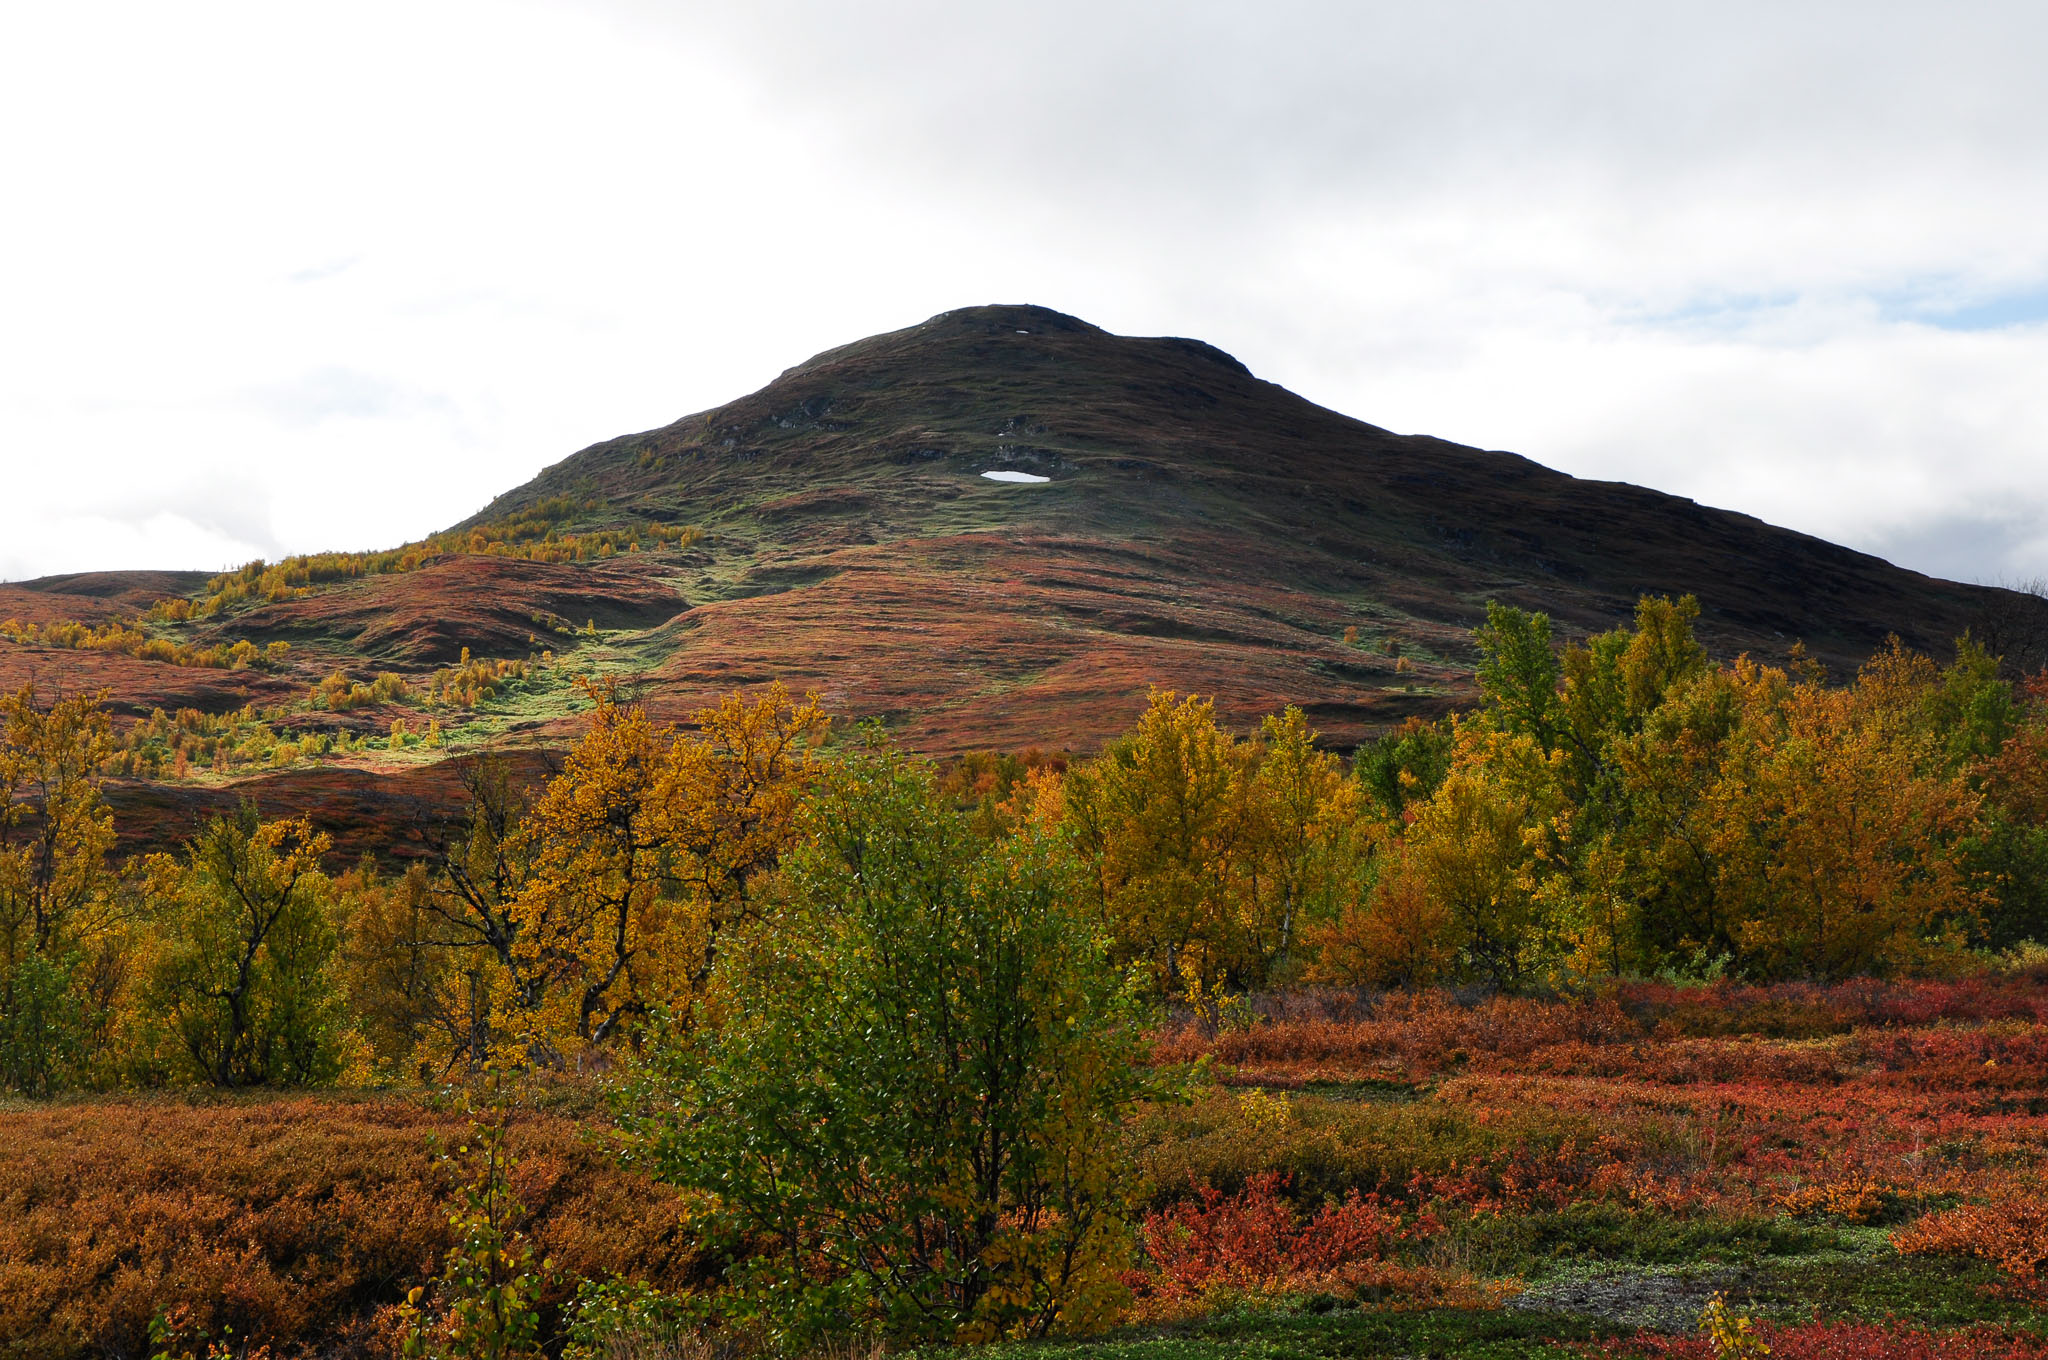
(535, 534)
(130, 640)
(1618, 807)
(1626, 806)
(547, 924)
(190, 741)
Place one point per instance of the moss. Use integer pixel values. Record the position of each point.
(1297, 1331)
(1526, 1244)
(1933, 1292)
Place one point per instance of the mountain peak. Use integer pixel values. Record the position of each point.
(996, 323)
(996, 318)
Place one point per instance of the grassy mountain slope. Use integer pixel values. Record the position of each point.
(1200, 529)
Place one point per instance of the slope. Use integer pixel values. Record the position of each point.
(1197, 528)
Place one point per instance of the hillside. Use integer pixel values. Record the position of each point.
(1198, 529)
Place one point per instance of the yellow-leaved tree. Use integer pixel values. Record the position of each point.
(1311, 834)
(1478, 849)
(729, 794)
(1210, 855)
(640, 854)
(599, 920)
(242, 976)
(1835, 824)
(61, 964)
(1160, 818)
(429, 958)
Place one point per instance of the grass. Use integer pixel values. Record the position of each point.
(1881, 1284)
(1311, 1328)
(1533, 1245)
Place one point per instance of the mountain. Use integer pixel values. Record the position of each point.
(1197, 528)
(1200, 528)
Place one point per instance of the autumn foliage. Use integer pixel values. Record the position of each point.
(1617, 807)
(1212, 855)
(537, 534)
(2011, 1232)
(558, 922)
(1257, 1241)
(1623, 806)
(1644, 950)
(129, 639)
(295, 1220)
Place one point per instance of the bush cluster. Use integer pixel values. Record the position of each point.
(534, 535)
(290, 1220)
(129, 640)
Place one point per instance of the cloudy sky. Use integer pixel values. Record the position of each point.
(278, 278)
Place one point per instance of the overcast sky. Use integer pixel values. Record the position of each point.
(277, 278)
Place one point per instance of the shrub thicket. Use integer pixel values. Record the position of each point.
(908, 1084)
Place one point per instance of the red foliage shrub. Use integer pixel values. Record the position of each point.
(1255, 1242)
(1409, 1034)
(1418, 1034)
(1254, 1239)
(1807, 1010)
(1355, 1229)
(1991, 1057)
(1243, 1239)
(1860, 1102)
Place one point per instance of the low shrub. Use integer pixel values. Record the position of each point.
(2011, 1234)
(338, 694)
(1255, 1242)
(290, 1221)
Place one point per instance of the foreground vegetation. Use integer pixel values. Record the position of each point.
(1649, 981)
(1412, 1173)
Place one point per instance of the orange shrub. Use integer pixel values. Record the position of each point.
(294, 1221)
(2011, 1234)
(1857, 1198)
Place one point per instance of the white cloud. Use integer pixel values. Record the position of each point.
(285, 279)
